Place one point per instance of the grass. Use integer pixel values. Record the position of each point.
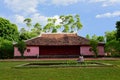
(64, 64)
(7, 72)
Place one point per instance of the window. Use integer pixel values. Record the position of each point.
(90, 49)
(28, 50)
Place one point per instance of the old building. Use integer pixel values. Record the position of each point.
(59, 45)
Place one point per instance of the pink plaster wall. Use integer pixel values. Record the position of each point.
(84, 50)
(33, 51)
(101, 50)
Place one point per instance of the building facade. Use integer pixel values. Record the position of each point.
(59, 45)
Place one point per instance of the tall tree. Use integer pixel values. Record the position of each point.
(70, 23)
(113, 47)
(24, 34)
(33, 31)
(28, 22)
(8, 30)
(110, 35)
(51, 26)
(37, 28)
(118, 30)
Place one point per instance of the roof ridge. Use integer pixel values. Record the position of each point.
(84, 38)
(32, 38)
(58, 33)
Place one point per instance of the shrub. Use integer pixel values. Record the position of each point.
(113, 47)
(6, 49)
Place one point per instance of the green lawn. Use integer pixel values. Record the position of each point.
(7, 72)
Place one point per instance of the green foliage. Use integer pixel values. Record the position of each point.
(21, 47)
(100, 39)
(6, 49)
(110, 35)
(97, 38)
(113, 41)
(118, 30)
(24, 35)
(70, 23)
(32, 32)
(8, 30)
(94, 37)
(51, 26)
(113, 47)
(28, 22)
(94, 45)
(37, 29)
(88, 36)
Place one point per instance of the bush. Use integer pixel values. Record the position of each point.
(113, 47)
(6, 49)
(115, 54)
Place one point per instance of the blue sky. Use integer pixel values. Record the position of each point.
(97, 16)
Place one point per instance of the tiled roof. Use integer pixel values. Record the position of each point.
(58, 39)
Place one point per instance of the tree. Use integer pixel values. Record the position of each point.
(28, 22)
(8, 30)
(51, 26)
(100, 39)
(88, 36)
(113, 47)
(21, 47)
(94, 37)
(24, 34)
(70, 23)
(94, 45)
(118, 30)
(6, 49)
(37, 29)
(110, 35)
(33, 31)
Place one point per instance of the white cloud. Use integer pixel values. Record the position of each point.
(43, 19)
(25, 6)
(58, 20)
(39, 18)
(95, 1)
(30, 6)
(108, 15)
(19, 19)
(36, 17)
(64, 2)
(106, 2)
(68, 2)
(110, 2)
